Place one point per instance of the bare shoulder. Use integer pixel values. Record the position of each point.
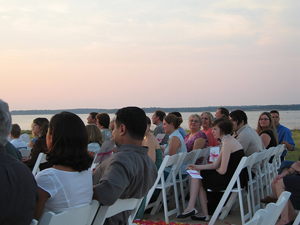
(231, 144)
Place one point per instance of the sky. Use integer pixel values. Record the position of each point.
(112, 54)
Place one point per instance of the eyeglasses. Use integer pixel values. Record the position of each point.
(196, 121)
(265, 119)
(204, 118)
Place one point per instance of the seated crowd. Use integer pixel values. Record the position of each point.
(130, 156)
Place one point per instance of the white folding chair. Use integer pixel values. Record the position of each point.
(297, 220)
(266, 170)
(25, 137)
(34, 222)
(80, 216)
(40, 159)
(120, 205)
(258, 217)
(165, 185)
(25, 152)
(245, 161)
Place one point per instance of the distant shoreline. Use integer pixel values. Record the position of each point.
(291, 107)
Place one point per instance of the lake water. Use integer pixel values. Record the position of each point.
(290, 119)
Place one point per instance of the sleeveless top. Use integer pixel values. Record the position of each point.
(273, 142)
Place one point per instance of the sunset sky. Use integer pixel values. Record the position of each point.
(111, 54)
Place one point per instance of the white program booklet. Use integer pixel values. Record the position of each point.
(194, 174)
(160, 137)
(214, 153)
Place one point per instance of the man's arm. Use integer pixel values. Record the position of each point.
(288, 140)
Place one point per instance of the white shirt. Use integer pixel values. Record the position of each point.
(68, 190)
(18, 143)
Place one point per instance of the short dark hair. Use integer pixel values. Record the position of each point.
(224, 111)
(274, 111)
(103, 119)
(148, 120)
(171, 118)
(161, 114)
(43, 124)
(239, 116)
(93, 114)
(69, 142)
(225, 125)
(15, 130)
(134, 119)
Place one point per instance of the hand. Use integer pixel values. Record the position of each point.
(280, 176)
(192, 167)
(24, 159)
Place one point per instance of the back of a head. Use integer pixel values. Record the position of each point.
(178, 114)
(103, 119)
(15, 130)
(5, 122)
(176, 121)
(94, 134)
(69, 142)
(224, 111)
(148, 120)
(239, 116)
(134, 119)
(161, 114)
(225, 125)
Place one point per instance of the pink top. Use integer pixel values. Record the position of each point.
(190, 142)
(212, 141)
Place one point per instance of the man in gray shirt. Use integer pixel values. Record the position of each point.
(157, 119)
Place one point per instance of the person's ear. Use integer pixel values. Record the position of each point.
(122, 129)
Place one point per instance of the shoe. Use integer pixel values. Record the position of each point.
(201, 218)
(188, 214)
(268, 199)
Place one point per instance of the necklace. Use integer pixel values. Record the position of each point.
(224, 138)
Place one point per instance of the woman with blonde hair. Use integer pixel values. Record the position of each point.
(267, 130)
(95, 139)
(207, 120)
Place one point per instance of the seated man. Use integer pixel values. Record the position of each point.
(157, 119)
(15, 134)
(102, 120)
(284, 134)
(130, 172)
(19, 191)
(222, 112)
(92, 118)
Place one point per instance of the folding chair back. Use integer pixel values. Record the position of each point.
(202, 153)
(40, 159)
(258, 217)
(80, 216)
(25, 152)
(120, 205)
(25, 137)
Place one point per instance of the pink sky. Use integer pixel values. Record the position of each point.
(100, 54)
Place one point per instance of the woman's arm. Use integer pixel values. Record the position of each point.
(43, 197)
(266, 139)
(199, 143)
(174, 145)
(147, 142)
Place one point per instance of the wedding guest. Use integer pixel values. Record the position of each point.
(91, 120)
(112, 124)
(95, 139)
(180, 129)
(18, 187)
(266, 130)
(222, 112)
(176, 143)
(197, 139)
(15, 134)
(207, 120)
(40, 128)
(284, 134)
(157, 119)
(35, 137)
(103, 124)
(217, 175)
(68, 184)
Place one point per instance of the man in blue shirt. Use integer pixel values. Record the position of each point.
(284, 134)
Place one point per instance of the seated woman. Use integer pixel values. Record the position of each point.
(180, 129)
(217, 175)
(68, 184)
(151, 142)
(35, 137)
(207, 120)
(288, 181)
(95, 139)
(40, 127)
(175, 143)
(267, 130)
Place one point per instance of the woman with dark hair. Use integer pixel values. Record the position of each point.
(217, 175)
(95, 139)
(175, 143)
(267, 130)
(40, 128)
(152, 143)
(180, 129)
(68, 184)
